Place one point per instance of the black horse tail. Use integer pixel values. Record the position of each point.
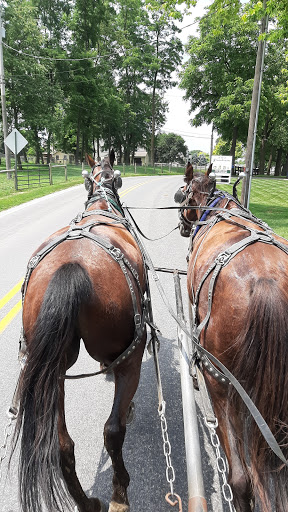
(262, 368)
(39, 468)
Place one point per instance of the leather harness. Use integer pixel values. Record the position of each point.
(84, 231)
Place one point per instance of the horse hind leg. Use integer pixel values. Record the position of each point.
(67, 460)
(239, 479)
(126, 383)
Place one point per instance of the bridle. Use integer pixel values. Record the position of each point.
(188, 195)
(103, 187)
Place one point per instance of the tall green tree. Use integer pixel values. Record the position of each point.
(218, 76)
(170, 148)
(167, 53)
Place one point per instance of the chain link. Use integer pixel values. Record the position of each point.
(170, 473)
(221, 464)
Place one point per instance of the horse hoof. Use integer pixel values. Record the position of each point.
(117, 507)
(130, 414)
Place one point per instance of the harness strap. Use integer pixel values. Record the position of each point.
(75, 232)
(264, 428)
(105, 213)
(141, 232)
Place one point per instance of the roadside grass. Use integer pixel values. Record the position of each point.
(268, 201)
(39, 187)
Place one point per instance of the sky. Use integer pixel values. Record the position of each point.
(178, 116)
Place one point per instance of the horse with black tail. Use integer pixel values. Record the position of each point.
(87, 281)
(238, 287)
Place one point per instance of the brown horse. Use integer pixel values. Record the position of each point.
(85, 281)
(237, 282)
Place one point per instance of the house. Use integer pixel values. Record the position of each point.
(140, 157)
(59, 157)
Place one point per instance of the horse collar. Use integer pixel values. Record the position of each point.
(206, 213)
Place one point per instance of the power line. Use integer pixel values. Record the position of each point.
(185, 134)
(20, 52)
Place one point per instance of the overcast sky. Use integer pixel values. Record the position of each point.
(178, 117)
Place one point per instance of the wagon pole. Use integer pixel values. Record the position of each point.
(196, 494)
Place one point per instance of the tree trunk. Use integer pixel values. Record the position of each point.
(233, 145)
(127, 156)
(269, 163)
(152, 149)
(285, 167)
(77, 142)
(278, 162)
(120, 154)
(25, 155)
(263, 148)
(48, 147)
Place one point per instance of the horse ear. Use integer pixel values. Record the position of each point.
(209, 170)
(90, 160)
(112, 157)
(189, 172)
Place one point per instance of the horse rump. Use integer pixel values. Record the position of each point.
(261, 366)
(40, 473)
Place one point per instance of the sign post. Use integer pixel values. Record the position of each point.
(15, 142)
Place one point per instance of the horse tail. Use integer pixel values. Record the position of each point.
(40, 474)
(262, 368)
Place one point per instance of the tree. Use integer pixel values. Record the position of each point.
(170, 148)
(218, 76)
(166, 55)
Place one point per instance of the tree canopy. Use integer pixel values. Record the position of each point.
(83, 73)
(170, 148)
(219, 75)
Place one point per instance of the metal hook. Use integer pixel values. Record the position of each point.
(173, 503)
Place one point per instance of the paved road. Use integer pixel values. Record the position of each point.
(88, 402)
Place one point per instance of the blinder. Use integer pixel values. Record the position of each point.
(180, 195)
(117, 180)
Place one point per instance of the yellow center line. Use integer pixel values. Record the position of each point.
(10, 294)
(9, 317)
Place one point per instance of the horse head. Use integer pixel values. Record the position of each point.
(194, 193)
(102, 174)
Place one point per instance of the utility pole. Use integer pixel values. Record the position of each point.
(253, 121)
(3, 96)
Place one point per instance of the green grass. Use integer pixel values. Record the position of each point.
(268, 201)
(10, 197)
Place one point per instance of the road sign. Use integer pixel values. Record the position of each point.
(15, 141)
(222, 166)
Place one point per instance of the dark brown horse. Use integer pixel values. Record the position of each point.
(238, 284)
(85, 281)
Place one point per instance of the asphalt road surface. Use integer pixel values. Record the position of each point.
(89, 401)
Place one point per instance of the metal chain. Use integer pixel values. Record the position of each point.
(7, 433)
(221, 465)
(170, 473)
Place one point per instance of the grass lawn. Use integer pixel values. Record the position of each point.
(268, 200)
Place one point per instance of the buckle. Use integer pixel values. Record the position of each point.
(137, 320)
(222, 258)
(116, 253)
(34, 261)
